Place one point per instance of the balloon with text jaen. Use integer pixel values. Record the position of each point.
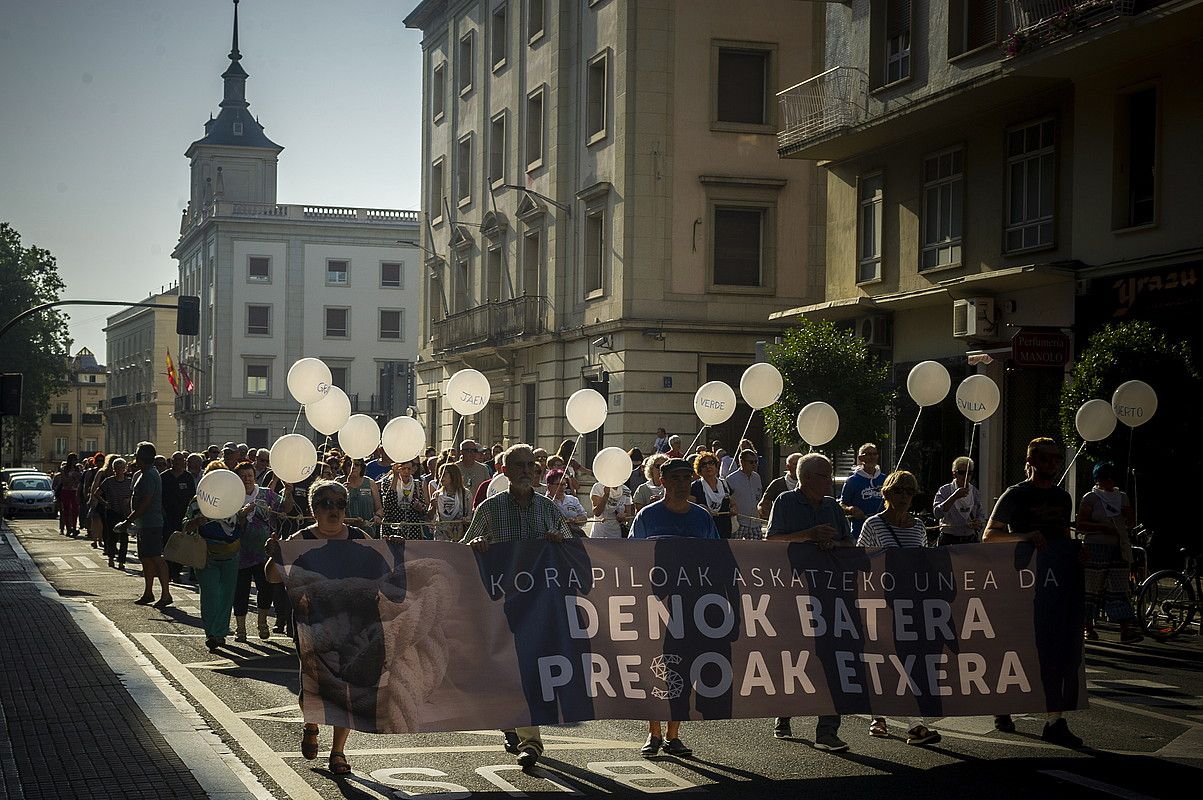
(293, 458)
(220, 494)
(468, 392)
(308, 380)
(714, 403)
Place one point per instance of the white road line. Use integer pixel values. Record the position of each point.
(61, 563)
(191, 611)
(1144, 712)
(1098, 786)
(294, 785)
(1187, 746)
(1136, 682)
(587, 744)
(87, 563)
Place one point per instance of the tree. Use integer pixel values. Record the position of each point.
(38, 346)
(819, 362)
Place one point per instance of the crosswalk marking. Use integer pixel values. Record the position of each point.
(191, 611)
(61, 563)
(86, 563)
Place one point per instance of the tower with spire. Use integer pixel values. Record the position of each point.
(234, 160)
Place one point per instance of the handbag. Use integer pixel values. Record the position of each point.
(187, 548)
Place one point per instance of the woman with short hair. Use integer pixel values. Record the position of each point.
(217, 581)
(1105, 516)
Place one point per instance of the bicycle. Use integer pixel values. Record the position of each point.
(1168, 599)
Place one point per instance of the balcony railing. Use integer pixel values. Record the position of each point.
(831, 101)
(183, 403)
(492, 324)
(60, 419)
(119, 400)
(91, 419)
(1040, 22)
(295, 212)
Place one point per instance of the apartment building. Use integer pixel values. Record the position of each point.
(74, 423)
(279, 282)
(605, 207)
(1002, 179)
(140, 401)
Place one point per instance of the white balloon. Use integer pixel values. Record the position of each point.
(1134, 403)
(1095, 420)
(714, 403)
(308, 380)
(468, 392)
(330, 413)
(359, 436)
(977, 398)
(761, 385)
(612, 466)
(585, 410)
(818, 423)
(928, 383)
(403, 438)
(293, 458)
(220, 494)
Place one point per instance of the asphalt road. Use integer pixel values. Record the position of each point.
(1143, 730)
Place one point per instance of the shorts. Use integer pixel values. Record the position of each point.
(150, 542)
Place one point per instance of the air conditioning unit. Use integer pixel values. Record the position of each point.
(973, 318)
(877, 330)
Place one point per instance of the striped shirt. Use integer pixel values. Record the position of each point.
(876, 532)
(501, 519)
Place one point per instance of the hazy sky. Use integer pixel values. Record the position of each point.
(100, 99)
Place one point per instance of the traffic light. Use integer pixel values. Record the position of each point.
(10, 394)
(187, 315)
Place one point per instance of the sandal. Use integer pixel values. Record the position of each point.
(339, 764)
(878, 728)
(309, 743)
(1091, 635)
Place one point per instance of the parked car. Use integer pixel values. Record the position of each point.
(28, 493)
(7, 473)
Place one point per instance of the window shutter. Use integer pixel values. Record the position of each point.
(898, 17)
(981, 23)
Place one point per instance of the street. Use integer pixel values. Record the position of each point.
(1143, 730)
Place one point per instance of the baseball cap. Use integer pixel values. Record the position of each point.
(674, 464)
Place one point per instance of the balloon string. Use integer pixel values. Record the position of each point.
(572, 452)
(298, 422)
(1065, 474)
(969, 466)
(732, 464)
(898, 464)
(455, 434)
(695, 439)
(1131, 472)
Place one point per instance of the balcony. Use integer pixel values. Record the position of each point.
(494, 324)
(1040, 22)
(91, 419)
(60, 419)
(828, 103)
(183, 403)
(119, 400)
(225, 209)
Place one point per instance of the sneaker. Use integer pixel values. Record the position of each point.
(511, 742)
(651, 746)
(676, 747)
(1058, 732)
(830, 743)
(1004, 723)
(781, 728)
(922, 736)
(528, 758)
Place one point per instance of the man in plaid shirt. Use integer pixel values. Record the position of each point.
(513, 516)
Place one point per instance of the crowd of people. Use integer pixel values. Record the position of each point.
(479, 497)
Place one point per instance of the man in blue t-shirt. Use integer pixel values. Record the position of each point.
(861, 495)
(674, 515)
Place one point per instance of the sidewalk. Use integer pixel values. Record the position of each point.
(72, 726)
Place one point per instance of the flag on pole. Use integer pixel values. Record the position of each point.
(175, 387)
(189, 386)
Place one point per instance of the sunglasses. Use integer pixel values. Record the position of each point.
(707, 463)
(330, 505)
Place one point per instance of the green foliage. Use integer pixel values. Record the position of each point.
(819, 362)
(1137, 350)
(38, 346)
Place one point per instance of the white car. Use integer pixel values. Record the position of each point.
(29, 492)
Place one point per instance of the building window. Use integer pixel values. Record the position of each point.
(738, 246)
(338, 323)
(258, 320)
(898, 40)
(534, 130)
(868, 223)
(463, 284)
(237, 128)
(497, 149)
(436, 192)
(258, 269)
(495, 279)
(465, 63)
(390, 274)
(438, 92)
(1031, 180)
(1135, 197)
(91, 445)
(463, 171)
(596, 102)
(499, 37)
(258, 380)
(943, 204)
(742, 86)
(535, 16)
(972, 24)
(595, 249)
(60, 446)
(62, 408)
(338, 377)
(390, 324)
(338, 272)
(532, 261)
(530, 413)
(257, 437)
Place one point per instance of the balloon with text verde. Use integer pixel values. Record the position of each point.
(1095, 420)
(928, 383)
(714, 403)
(308, 380)
(818, 423)
(220, 494)
(403, 438)
(468, 392)
(1134, 403)
(359, 436)
(585, 410)
(977, 398)
(612, 467)
(330, 413)
(293, 458)
(761, 385)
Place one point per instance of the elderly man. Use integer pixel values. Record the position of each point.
(810, 514)
(262, 462)
(747, 489)
(778, 485)
(517, 515)
(475, 473)
(147, 510)
(229, 454)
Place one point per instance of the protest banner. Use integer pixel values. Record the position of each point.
(404, 637)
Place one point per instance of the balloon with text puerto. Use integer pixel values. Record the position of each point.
(468, 392)
(714, 403)
(977, 398)
(1095, 420)
(1134, 403)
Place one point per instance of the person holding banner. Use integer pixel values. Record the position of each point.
(958, 506)
(861, 495)
(1105, 516)
(777, 486)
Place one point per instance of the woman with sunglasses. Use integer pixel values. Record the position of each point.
(405, 505)
(568, 504)
(958, 507)
(713, 493)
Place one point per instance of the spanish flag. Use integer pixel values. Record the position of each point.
(171, 373)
